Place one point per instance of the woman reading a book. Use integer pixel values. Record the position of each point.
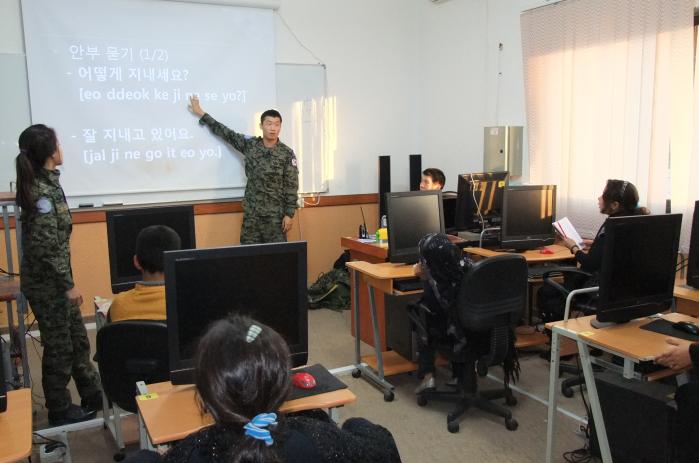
(619, 198)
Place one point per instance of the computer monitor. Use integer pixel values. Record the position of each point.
(693, 259)
(123, 227)
(528, 214)
(265, 281)
(479, 200)
(637, 277)
(411, 216)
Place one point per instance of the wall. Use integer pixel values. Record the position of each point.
(321, 227)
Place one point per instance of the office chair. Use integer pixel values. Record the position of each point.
(573, 278)
(491, 300)
(129, 351)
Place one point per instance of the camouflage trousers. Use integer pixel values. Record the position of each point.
(66, 349)
(261, 230)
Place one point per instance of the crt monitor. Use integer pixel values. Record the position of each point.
(123, 226)
(693, 260)
(411, 216)
(449, 199)
(528, 214)
(479, 200)
(637, 277)
(265, 281)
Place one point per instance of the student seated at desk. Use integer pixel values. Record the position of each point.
(147, 300)
(619, 198)
(242, 378)
(679, 356)
(432, 179)
(441, 269)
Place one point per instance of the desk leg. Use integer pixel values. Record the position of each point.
(334, 413)
(594, 401)
(553, 396)
(375, 327)
(357, 340)
(21, 313)
(144, 440)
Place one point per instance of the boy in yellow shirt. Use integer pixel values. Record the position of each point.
(147, 300)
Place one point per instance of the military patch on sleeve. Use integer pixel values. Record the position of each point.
(293, 159)
(43, 205)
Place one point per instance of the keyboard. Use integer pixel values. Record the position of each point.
(411, 284)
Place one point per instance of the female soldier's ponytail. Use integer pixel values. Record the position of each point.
(36, 144)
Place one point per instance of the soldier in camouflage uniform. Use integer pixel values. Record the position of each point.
(270, 198)
(47, 280)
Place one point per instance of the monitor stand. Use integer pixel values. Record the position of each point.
(598, 324)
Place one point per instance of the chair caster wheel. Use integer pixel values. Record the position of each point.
(567, 392)
(356, 373)
(388, 396)
(511, 401)
(453, 426)
(421, 400)
(511, 424)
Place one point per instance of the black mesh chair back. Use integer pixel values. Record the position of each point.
(130, 351)
(493, 293)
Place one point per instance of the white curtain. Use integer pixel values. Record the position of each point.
(609, 94)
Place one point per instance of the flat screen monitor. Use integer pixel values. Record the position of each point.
(264, 281)
(528, 214)
(637, 277)
(693, 260)
(479, 200)
(411, 216)
(123, 226)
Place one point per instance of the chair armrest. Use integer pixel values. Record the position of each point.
(549, 276)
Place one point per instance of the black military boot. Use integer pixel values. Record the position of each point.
(73, 414)
(93, 403)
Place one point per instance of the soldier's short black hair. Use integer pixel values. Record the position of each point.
(436, 175)
(152, 242)
(270, 113)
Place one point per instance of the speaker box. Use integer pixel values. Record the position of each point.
(384, 183)
(639, 417)
(415, 171)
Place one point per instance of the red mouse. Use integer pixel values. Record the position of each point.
(303, 380)
(545, 251)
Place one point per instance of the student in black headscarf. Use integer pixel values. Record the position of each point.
(441, 269)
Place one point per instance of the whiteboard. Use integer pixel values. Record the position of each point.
(14, 113)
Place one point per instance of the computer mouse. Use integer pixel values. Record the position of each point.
(687, 327)
(545, 251)
(303, 380)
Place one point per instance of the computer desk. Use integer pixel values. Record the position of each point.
(380, 277)
(16, 426)
(626, 340)
(169, 413)
(686, 297)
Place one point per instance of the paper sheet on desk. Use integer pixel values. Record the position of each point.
(366, 240)
(567, 230)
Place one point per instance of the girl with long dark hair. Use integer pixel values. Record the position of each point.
(242, 378)
(47, 278)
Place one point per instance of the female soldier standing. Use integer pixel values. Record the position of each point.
(47, 280)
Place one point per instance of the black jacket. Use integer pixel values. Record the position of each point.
(299, 439)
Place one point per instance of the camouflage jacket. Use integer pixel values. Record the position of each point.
(46, 237)
(273, 176)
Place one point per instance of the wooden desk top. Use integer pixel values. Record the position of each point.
(175, 414)
(683, 291)
(7, 196)
(383, 271)
(378, 250)
(627, 339)
(9, 288)
(532, 256)
(16, 426)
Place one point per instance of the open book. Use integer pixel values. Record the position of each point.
(567, 230)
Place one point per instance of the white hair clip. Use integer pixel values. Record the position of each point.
(253, 332)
